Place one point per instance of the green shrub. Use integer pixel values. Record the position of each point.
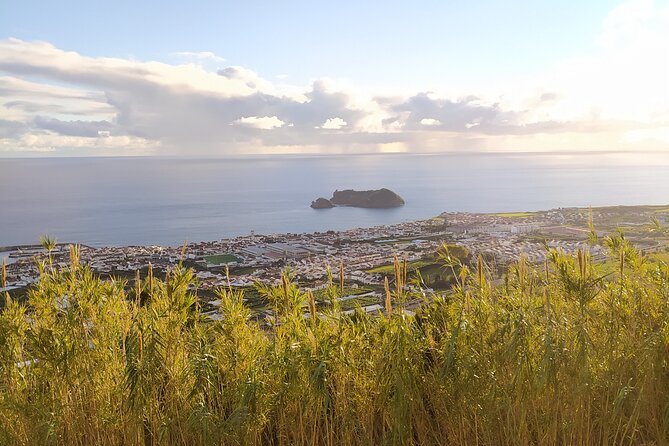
(561, 353)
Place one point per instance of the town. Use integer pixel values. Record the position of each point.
(363, 254)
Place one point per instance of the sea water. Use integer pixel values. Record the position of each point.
(166, 201)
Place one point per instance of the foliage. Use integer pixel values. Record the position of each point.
(390, 269)
(560, 353)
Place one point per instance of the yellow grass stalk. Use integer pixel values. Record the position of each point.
(138, 288)
(404, 272)
(398, 276)
(149, 277)
(227, 277)
(312, 306)
(389, 305)
(75, 255)
(3, 281)
(480, 271)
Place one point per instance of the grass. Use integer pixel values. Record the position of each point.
(390, 269)
(221, 259)
(515, 214)
(660, 256)
(433, 273)
(322, 294)
(561, 353)
(362, 301)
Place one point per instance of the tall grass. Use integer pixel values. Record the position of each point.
(558, 353)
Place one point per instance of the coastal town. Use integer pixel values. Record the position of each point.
(362, 253)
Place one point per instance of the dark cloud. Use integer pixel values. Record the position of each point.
(321, 106)
(71, 128)
(179, 115)
(12, 129)
(206, 120)
(548, 97)
(467, 114)
(239, 73)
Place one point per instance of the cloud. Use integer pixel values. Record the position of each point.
(430, 122)
(623, 78)
(36, 143)
(71, 128)
(261, 122)
(548, 97)
(23, 99)
(423, 111)
(613, 98)
(334, 124)
(12, 129)
(26, 89)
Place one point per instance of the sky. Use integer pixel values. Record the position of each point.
(220, 78)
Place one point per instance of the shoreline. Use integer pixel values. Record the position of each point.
(508, 214)
(363, 253)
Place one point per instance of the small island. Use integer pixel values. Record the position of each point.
(374, 199)
(322, 203)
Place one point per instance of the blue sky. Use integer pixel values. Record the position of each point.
(389, 76)
(391, 42)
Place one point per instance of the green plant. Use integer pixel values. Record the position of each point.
(559, 353)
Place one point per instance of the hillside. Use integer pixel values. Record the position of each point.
(560, 353)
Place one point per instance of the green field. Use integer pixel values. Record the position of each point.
(434, 274)
(321, 295)
(361, 301)
(390, 269)
(221, 259)
(660, 257)
(515, 214)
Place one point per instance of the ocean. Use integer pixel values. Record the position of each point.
(166, 201)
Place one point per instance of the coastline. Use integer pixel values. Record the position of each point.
(501, 237)
(509, 214)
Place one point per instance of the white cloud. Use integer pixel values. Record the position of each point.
(77, 145)
(615, 97)
(334, 124)
(430, 122)
(24, 99)
(44, 60)
(623, 78)
(261, 122)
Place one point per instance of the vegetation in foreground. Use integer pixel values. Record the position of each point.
(556, 354)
